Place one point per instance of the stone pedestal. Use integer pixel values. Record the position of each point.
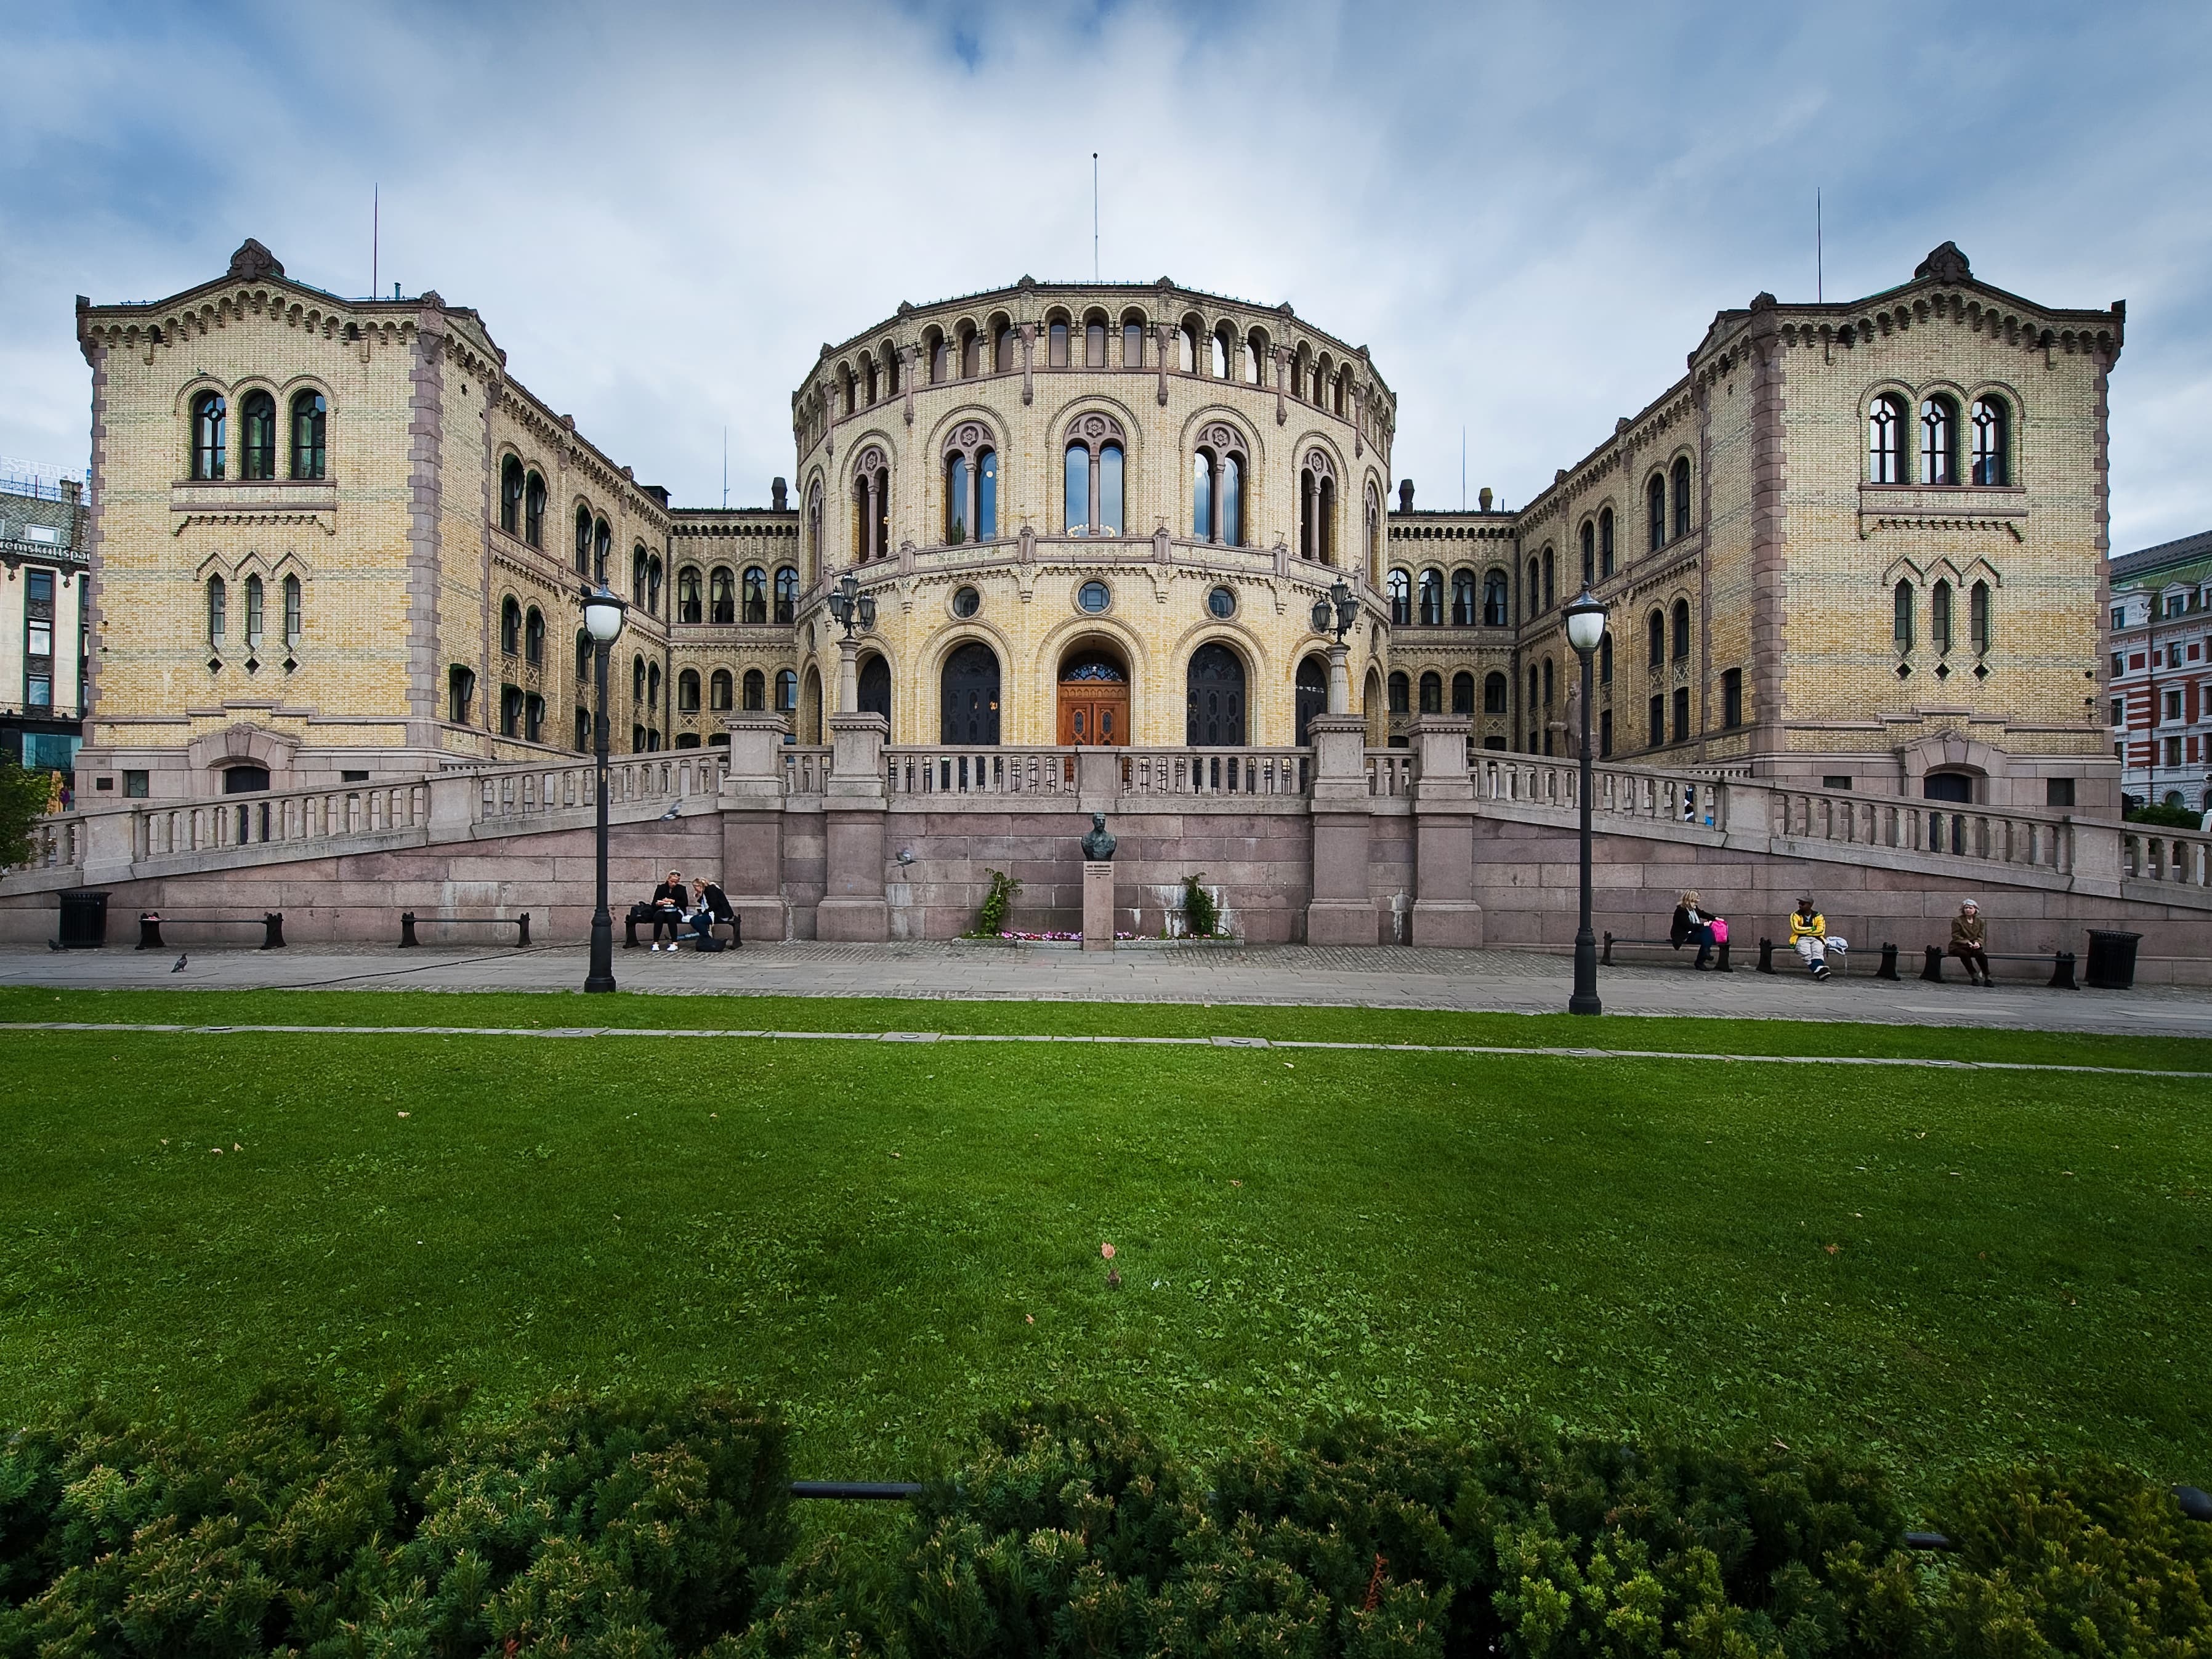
(751, 802)
(1097, 904)
(1445, 912)
(1342, 911)
(853, 909)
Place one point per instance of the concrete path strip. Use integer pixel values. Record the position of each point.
(1503, 1050)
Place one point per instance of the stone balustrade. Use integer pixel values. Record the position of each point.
(293, 819)
(2035, 841)
(2179, 858)
(1391, 773)
(947, 769)
(1245, 772)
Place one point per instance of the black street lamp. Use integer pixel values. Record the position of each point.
(603, 621)
(1585, 628)
(852, 607)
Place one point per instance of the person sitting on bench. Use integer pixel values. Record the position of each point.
(1969, 944)
(669, 902)
(1810, 938)
(1693, 923)
(709, 905)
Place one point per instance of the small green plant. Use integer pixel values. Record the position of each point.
(991, 919)
(1201, 918)
(2171, 817)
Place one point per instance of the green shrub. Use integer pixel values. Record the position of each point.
(991, 919)
(1202, 919)
(2171, 818)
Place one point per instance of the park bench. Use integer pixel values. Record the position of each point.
(150, 923)
(1605, 959)
(647, 915)
(408, 921)
(2062, 964)
(1840, 961)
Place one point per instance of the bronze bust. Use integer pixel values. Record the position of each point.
(1098, 846)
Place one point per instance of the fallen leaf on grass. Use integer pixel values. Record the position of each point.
(1832, 1248)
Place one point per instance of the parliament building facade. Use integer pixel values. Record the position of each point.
(1856, 544)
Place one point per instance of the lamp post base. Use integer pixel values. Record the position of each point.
(602, 974)
(1585, 998)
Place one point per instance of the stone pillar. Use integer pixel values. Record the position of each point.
(853, 909)
(1339, 679)
(849, 675)
(1097, 904)
(1444, 909)
(1342, 911)
(751, 802)
(107, 844)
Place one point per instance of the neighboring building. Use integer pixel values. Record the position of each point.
(1859, 543)
(42, 635)
(2160, 670)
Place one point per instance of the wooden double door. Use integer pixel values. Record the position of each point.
(1094, 711)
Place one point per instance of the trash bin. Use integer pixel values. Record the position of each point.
(84, 920)
(2111, 960)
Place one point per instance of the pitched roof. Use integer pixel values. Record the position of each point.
(2167, 556)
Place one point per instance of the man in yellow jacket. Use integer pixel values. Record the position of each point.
(1809, 937)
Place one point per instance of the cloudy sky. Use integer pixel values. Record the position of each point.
(1529, 213)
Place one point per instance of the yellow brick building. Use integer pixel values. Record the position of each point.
(334, 538)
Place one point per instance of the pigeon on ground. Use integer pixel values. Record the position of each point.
(675, 809)
(179, 968)
(54, 944)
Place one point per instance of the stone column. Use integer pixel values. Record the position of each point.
(849, 675)
(1097, 904)
(751, 802)
(853, 909)
(1342, 912)
(1444, 909)
(1339, 679)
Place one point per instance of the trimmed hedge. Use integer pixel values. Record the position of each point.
(648, 1527)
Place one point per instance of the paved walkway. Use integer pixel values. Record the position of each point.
(1504, 982)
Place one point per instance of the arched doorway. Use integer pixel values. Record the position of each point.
(1310, 695)
(1093, 698)
(875, 686)
(1215, 703)
(970, 700)
(810, 707)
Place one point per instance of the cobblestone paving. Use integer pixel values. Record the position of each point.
(1512, 982)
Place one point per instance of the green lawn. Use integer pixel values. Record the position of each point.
(891, 1238)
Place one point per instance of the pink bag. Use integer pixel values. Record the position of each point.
(1720, 930)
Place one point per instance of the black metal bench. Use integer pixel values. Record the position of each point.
(408, 921)
(1841, 959)
(649, 916)
(271, 923)
(2062, 964)
(1604, 959)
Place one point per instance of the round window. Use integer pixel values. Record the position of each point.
(1094, 597)
(966, 601)
(1222, 602)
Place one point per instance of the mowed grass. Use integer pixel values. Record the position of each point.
(892, 1239)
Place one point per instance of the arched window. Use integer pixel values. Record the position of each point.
(1217, 348)
(939, 351)
(1551, 572)
(1978, 617)
(1248, 357)
(1681, 494)
(1655, 641)
(258, 452)
(293, 620)
(786, 592)
(1681, 631)
(1605, 544)
(209, 419)
(814, 528)
(971, 352)
(1002, 354)
(256, 612)
(1551, 686)
(510, 497)
(756, 594)
(968, 700)
(1605, 660)
(583, 728)
(534, 637)
(1374, 533)
(653, 585)
(1317, 509)
(652, 687)
(583, 659)
(1884, 428)
(719, 691)
(1497, 600)
(1432, 599)
(1399, 588)
(1094, 342)
(1401, 695)
(310, 434)
(1217, 486)
(1432, 693)
(1462, 694)
(603, 540)
(1093, 475)
(1493, 694)
(1462, 598)
(1214, 699)
(1939, 441)
(533, 510)
(721, 595)
(460, 693)
(756, 691)
(1992, 442)
(1187, 348)
(1590, 554)
(875, 685)
(510, 627)
(1056, 355)
(637, 575)
(872, 507)
(1655, 502)
(1535, 592)
(786, 690)
(1132, 342)
(688, 606)
(583, 541)
(1939, 616)
(687, 692)
(1901, 627)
